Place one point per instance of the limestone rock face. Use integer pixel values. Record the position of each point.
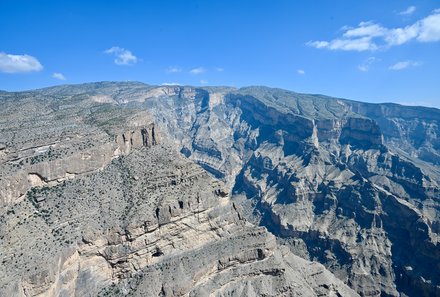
(108, 208)
(361, 132)
(109, 233)
(51, 164)
(413, 130)
(331, 178)
(137, 138)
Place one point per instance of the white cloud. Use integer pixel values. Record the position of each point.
(400, 36)
(301, 72)
(369, 36)
(429, 30)
(365, 66)
(173, 69)
(18, 63)
(219, 69)
(410, 10)
(198, 70)
(123, 56)
(318, 44)
(404, 64)
(59, 76)
(365, 29)
(203, 82)
(171, 84)
(358, 44)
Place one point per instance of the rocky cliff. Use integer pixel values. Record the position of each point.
(147, 216)
(107, 207)
(328, 176)
(353, 186)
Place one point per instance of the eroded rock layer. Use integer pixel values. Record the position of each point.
(328, 176)
(148, 223)
(91, 171)
(134, 218)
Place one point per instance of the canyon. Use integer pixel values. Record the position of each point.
(128, 189)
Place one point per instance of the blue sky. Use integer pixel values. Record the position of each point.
(375, 51)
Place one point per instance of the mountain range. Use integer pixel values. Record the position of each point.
(129, 189)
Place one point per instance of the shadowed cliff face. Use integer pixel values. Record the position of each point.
(411, 130)
(97, 201)
(354, 186)
(348, 184)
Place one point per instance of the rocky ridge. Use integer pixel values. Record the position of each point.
(107, 207)
(327, 176)
(354, 186)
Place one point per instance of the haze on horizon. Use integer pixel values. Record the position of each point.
(368, 51)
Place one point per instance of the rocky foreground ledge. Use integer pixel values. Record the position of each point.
(147, 224)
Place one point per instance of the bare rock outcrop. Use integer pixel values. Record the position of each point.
(148, 216)
(318, 172)
(51, 163)
(361, 132)
(134, 139)
(96, 202)
(351, 185)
